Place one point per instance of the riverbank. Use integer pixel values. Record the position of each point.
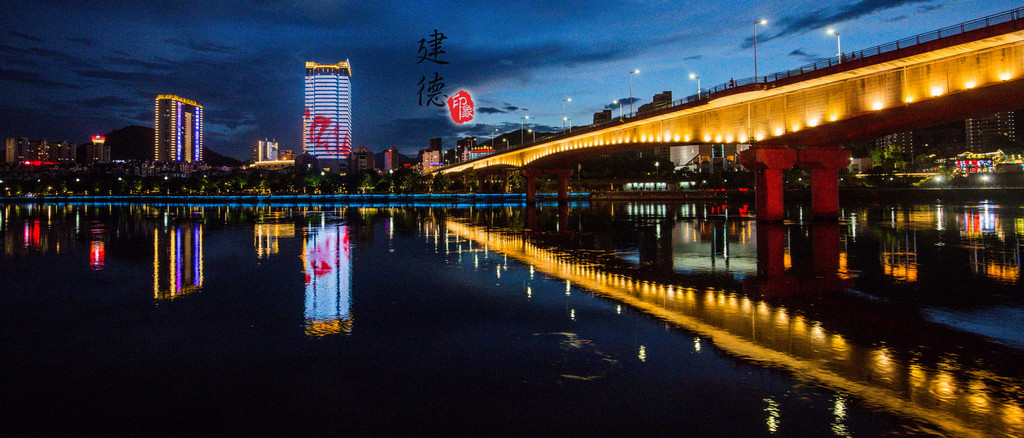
(469, 198)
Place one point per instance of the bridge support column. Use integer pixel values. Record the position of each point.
(563, 183)
(768, 164)
(531, 185)
(481, 182)
(824, 164)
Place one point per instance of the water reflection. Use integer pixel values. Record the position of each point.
(177, 260)
(965, 387)
(327, 262)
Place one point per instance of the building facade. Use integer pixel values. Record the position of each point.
(266, 150)
(327, 120)
(98, 152)
(991, 132)
(179, 129)
(22, 150)
(362, 160)
(391, 159)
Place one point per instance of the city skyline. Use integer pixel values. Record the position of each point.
(72, 82)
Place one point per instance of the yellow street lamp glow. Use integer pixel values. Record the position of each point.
(1005, 76)
(877, 106)
(936, 91)
(971, 84)
(763, 22)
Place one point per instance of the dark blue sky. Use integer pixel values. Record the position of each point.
(71, 69)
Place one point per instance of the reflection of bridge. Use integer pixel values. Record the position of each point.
(970, 69)
(961, 397)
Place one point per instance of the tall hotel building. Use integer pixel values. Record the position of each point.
(327, 121)
(179, 129)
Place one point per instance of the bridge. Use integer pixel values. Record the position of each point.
(801, 117)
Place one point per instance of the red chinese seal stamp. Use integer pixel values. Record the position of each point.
(461, 107)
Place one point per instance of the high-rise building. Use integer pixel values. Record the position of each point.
(327, 121)
(179, 129)
(266, 150)
(391, 159)
(97, 152)
(23, 150)
(991, 132)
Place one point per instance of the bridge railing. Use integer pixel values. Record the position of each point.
(967, 26)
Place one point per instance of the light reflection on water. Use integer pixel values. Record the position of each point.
(704, 272)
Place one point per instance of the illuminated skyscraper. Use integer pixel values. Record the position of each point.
(327, 121)
(179, 129)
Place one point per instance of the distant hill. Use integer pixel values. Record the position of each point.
(136, 143)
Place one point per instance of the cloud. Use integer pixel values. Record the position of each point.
(24, 36)
(203, 46)
(805, 56)
(31, 78)
(625, 101)
(895, 19)
(693, 58)
(820, 18)
(489, 110)
(510, 107)
(84, 41)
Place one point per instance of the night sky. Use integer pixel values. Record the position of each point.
(71, 69)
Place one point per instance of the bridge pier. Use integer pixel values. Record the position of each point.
(531, 184)
(562, 176)
(824, 164)
(563, 183)
(768, 162)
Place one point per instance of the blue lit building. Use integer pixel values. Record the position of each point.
(327, 119)
(179, 129)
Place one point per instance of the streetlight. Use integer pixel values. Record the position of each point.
(657, 174)
(522, 128)
(631, 91)
(694, 76)
(620, 108)
(567, 99)
(493, 137)
(755, 46)
(839, 47)
(534, 134)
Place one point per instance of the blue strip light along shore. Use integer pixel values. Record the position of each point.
(413, 200)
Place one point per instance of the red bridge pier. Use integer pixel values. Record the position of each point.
(531, 183)
(768, 162)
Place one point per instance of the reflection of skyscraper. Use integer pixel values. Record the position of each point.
(266, 235)
(327, 121)
(177, 261)
(327, 262)
(179, 129)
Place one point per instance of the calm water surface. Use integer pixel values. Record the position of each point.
(610, 319)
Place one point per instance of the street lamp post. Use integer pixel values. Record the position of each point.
(631, 91)
(493, 137)
(839, 46)
(755, 46)
(694, 76)
(657, 165)
(620, 108)
(522, 130)
(534, 134)
(567, 99)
